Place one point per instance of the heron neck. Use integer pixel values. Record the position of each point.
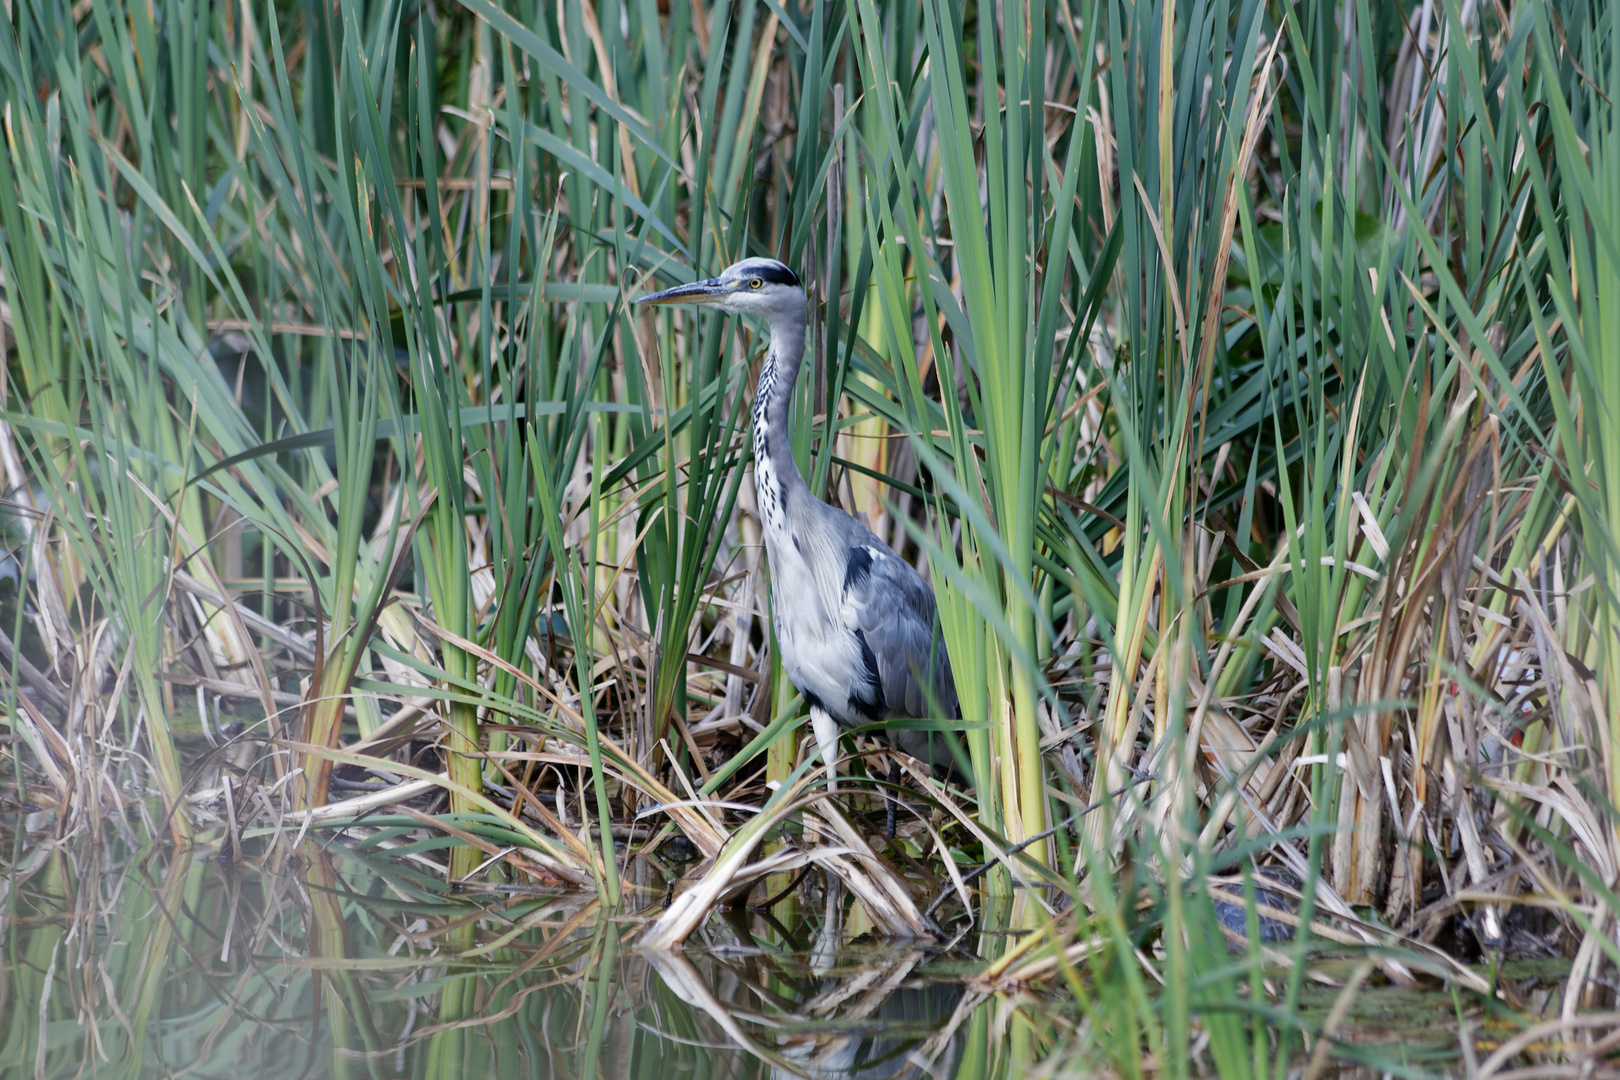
(775, 471)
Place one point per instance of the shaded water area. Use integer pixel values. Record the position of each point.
(343, 963)
(338, 958)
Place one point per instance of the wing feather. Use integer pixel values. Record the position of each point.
(891, 607)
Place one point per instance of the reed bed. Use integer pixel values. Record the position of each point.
(1241, 374)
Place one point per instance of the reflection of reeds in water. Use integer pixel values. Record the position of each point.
(342, 964)
(864, 1020)
(345, 961)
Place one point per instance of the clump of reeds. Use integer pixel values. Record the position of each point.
(1242, 375)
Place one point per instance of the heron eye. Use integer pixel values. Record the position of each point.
(756, 283)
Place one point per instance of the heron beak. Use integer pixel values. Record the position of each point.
(699, 292)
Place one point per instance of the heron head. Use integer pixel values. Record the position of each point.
(762, 287)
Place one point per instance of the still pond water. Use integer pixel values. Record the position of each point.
(349, 961)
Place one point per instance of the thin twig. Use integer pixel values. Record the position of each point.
(1141, 778)
(47, 691)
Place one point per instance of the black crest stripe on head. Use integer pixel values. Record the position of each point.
(777, 274)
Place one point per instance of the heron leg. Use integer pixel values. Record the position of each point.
(826, 729)
(894, 798)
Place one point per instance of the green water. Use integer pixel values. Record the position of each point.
(338, 959)
(343, 962)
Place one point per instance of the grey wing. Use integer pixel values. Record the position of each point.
(891, 610)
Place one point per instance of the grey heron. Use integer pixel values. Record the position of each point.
(854, 621)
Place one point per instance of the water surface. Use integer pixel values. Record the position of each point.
(337, 958)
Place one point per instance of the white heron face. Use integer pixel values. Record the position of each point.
(762, 287)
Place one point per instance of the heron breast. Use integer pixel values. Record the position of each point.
(820, 655)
